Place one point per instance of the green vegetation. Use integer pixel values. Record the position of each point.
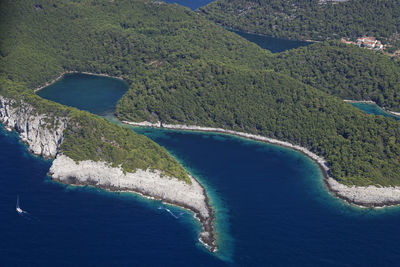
(94, 138)
(119, 38)
(310, 19)
(345, 71)
(360, 149)
(89, 137)
(183, 68)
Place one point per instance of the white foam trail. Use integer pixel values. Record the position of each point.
(24, 213)
(170, 212)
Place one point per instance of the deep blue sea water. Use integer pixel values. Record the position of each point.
(271, 206)
(374, 109)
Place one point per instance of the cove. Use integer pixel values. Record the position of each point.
(96, 94)
(271, 204)
(192, 4)
(370, 108)
(276, 208)
(275, 45)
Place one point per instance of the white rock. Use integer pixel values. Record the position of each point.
(150, 183)
(370, 196)
(42, 134)
(366, 195)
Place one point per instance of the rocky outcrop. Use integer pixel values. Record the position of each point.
(148, 183)
(365, 196)
(43, 134)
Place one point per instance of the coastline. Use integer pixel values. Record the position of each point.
(263, 35)
(207, 225)
(71, 72)
(147, 183)
(42, 140)
(360, 196)
(372, 102)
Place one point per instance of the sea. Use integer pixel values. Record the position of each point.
(272, 208)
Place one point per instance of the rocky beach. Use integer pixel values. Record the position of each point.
(363, 196)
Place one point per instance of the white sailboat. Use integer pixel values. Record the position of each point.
(18, 208)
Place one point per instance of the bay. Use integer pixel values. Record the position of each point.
(93, 93)
(271, 204)
(273, 44)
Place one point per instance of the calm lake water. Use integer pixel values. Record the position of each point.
(374, 109)
(271, 205)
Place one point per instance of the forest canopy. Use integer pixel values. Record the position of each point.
(183, 68)
(317, 20)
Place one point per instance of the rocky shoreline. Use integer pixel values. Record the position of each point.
(147, 183)
(71, 72)
(44, 136)
(365, 196)
(362, 196)
(33, 129)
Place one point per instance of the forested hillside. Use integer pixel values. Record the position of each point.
(42, 38)
(182, 68)
(345, 71)
(310, 19)
(360, 149)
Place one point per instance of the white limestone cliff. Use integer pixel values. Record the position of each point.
(42, 134)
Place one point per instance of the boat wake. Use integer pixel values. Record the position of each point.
(171, 213)
(23, 213)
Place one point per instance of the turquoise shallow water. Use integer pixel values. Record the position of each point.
(271, 206)
(272, 210)
(374, 109)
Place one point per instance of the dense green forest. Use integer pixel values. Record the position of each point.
(310, 19)
(345, 71)
(360, 149)
(125, 38)
(182, 68)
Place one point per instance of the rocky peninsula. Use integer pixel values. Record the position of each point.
(149, 183)
(363, 196)
(44, 135)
